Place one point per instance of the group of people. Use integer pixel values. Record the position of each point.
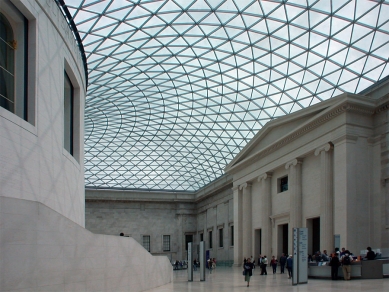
(249, 265)
(338, 259)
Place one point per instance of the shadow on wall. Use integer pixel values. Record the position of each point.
(40, 248)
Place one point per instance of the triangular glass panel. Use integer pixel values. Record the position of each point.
(347, 11)
(197, 16)
(370, 19)
(250, 20)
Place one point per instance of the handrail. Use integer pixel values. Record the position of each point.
(61, 4)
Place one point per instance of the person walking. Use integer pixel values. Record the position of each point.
(289, 266)
(273, 263)
(248, 271)
(282, 263)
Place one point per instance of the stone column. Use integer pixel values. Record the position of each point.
(247, 220)
(326, 197)
(294, 189)
(266, 207)
(238, 258)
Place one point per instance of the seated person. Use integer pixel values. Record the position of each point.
(370, 254)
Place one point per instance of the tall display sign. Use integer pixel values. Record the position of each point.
(202, 261)
(300, 256)
(190, 261)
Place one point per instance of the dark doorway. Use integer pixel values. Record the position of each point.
(285, 234)
(315, 234)
(283, 239)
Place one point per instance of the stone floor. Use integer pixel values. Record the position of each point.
(230, 279)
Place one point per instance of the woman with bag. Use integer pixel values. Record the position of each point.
(248, 271)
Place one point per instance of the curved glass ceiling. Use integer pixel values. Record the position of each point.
(178, 88)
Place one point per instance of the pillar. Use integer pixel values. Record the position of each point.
(238, 235)
(247, 220)
(326, 197)
(294, 189)
(266, 207)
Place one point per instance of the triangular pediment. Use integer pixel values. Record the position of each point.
(277, 129)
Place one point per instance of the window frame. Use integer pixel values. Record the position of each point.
(221, 238)
(146, 244)
(166, 243)
(281, 184)
(20, 99)
(68, 119)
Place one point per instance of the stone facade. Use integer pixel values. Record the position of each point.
(156, 214)
(333, 156)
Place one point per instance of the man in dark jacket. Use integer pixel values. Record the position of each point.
(282, 263)
(334, 263)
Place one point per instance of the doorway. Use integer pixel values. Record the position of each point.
(282, 240)
(313, 226)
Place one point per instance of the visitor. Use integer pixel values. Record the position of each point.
(289, 266)
(273, 263)
(282, 263)
(248, 271)
(346, 260)
(370, 254)
(334, 263)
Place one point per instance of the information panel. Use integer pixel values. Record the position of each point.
(295, 269)
(303, 255)
(202, 261)
(190, 261)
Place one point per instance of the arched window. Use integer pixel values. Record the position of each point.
(7, 65)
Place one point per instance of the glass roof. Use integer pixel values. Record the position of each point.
(178, 88)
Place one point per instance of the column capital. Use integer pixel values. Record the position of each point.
(265, 176)
(245, 185)
(235, 188)
(294, 162)
(326, 147)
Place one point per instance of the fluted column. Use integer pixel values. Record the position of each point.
(238, 235)
(326, 197)
(294, 189)
(247, 219)
(266, 207)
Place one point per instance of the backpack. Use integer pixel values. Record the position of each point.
(346, 261)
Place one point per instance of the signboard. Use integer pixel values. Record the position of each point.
(302, 255)
(190, 261)
(202, 260)
(295, 257)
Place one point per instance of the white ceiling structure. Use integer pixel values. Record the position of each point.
(178, 87)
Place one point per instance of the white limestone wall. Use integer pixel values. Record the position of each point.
(355, 174)
(41, 250)
(34, 164)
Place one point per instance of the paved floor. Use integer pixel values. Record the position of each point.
(231, 279)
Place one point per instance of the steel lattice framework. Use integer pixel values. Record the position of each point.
(178, 88)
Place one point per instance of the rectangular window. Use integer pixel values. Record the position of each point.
(201, 236)
(283, 184)
(166, 243)
(13, 60)
(68, 114)
(210, 239)
(146, 242)
(221, 237)
(188, 238)
(232, 235)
